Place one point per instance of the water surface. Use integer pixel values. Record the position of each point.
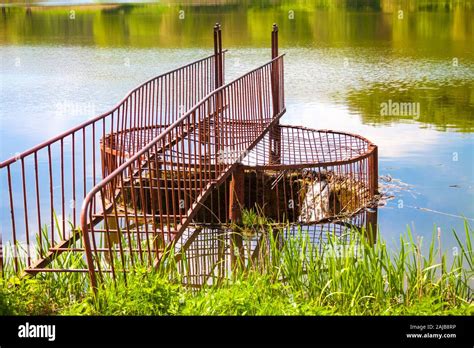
(63, 65)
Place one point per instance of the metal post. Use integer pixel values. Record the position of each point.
(218, 83)
(88, 250)
(221, 66)
(376, 169)
(236, 202)
(236, 194)
(217, 55)
(371, 226)
(275, 132)
(373, 172)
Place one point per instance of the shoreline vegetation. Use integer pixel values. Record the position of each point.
(295, 277)
(386, 5)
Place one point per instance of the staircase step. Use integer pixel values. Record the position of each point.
(163, 187)
(133, 230)
(70, 270)
(125, 249)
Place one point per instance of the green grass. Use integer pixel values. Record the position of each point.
(290, 278)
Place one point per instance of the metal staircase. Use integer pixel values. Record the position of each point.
(141, 172)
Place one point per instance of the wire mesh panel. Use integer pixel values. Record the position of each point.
(318, 175)
(314, 184)
(209, 253)
(205, 257)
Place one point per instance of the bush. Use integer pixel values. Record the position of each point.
(143, 294)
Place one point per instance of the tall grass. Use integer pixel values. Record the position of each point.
(45, 293)
(289, 276)
(355, 278)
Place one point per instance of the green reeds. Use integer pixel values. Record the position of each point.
(347, 275)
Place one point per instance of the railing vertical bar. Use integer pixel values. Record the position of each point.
(73, 156)
(133, 112)
(84, 161)
(109, 241)
(152, 107)
(12, 213)
(144, 206)
(119, 238)
(152, 174)
(51, 194)
(38, 207)
(63, 212)
(25, 207)
(172, 176)
(93, 155)
(147, 112)
(134, 200)
(165, 179)
(127, 222)
(93, 167)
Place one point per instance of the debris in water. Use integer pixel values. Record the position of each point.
(389, 188)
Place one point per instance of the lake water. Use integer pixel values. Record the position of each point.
(62, 65)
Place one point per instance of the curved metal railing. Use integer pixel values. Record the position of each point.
(149, 200)
(42, 188)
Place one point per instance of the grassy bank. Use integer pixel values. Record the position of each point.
(293, 278)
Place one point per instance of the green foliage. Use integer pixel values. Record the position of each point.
(253, 222)
(5, 304)
(255, 295)
(145, 293)
(253, 218)
(349, 276)
(32, 296)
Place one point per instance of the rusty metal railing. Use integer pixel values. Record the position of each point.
(321, 175)
(148, 201)
(175, 166)
(43, 188)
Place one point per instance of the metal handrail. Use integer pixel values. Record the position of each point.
(79, 127)
(152, 104)
(208, 127)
